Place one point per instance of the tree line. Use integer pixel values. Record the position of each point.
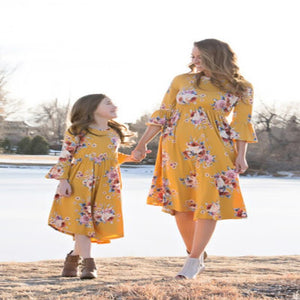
(278, 132)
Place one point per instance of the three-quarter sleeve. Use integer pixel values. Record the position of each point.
(161, 116)
(241, 121)
(122, 157)
(61, 169)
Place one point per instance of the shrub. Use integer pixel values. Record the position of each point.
(39, 145)
(24, 146)
(6, 146)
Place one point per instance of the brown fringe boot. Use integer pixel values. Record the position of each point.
(88, 269)
(71, 265)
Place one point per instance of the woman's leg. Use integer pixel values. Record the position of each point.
(82, 246)
(203, 231)
(186, 225)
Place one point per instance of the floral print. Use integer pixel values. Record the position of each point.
(105, 215)
(97, 158)
(91, 165)
(58, 221)
(85, 214)
(113, 180)
(89, 179)
(213, 209)
(195, 166)
(190, 180)
(164, 193)
(186, 96)
(225, 103)
(240, 213)
(225, 182)
(227, 134)
(196, 149)
(191, 205)
(198, 117)
(171, 124)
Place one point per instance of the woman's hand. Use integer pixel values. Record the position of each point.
(241, 164)
(139, 153)
(64, 188)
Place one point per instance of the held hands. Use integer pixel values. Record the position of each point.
(241, 164)
(64, 188)
(139, 153)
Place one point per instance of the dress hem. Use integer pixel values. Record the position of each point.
(172, 213)
(93, 239)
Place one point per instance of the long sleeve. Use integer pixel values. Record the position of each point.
(241, 120)
(62, 167)
(122, 157)
(161, 116)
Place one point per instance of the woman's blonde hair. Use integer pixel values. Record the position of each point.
(218, 58)
(82, 116)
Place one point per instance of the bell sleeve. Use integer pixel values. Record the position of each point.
(161, 116)
(241, 121)
(61, 169)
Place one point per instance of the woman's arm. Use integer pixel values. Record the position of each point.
(140, 150)
(241, 163)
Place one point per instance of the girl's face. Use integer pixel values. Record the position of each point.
(196, 59)
(106, 110)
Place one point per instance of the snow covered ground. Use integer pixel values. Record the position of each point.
(26, 197)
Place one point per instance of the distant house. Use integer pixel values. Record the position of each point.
(16, 130)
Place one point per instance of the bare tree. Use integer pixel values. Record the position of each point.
(52, 120)
(9, 107)
(278, 131)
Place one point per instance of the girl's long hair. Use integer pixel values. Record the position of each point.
(218, 58)
(82, 116)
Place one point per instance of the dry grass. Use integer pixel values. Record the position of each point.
(152, 278)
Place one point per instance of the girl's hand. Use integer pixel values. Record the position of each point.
(138, 154)
(241, 164)
(64, 188)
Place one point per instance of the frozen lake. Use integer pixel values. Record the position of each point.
(26, 197)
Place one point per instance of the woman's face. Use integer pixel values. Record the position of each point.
(196, 59)
(106, 109)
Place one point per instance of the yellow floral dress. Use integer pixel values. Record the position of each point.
(91, 164)
(195, 169)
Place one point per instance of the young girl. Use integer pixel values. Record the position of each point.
(87, 204)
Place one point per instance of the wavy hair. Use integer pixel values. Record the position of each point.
(82, 116)
(218, 58)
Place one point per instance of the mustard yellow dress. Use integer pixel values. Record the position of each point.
(91, 164)
(195, 169)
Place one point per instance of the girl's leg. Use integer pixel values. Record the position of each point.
(203, 231)
(82, 246)
(186, 227)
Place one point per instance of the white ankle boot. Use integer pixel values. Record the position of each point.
(191, 268)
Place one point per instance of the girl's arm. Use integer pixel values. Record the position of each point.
(241, 163)
(61, 169)
(140, 150)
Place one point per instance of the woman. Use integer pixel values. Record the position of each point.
(200, 155)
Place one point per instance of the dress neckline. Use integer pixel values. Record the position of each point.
(99, 132)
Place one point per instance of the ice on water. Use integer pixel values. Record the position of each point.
(26, 197)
